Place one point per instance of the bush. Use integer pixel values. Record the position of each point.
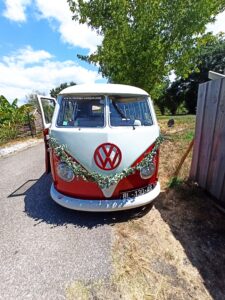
(8, 133)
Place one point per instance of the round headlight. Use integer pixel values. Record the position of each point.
(147, 172)
(65, 172)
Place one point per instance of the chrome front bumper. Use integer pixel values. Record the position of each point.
(106, 204)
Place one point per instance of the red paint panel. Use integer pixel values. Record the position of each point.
(132, 182)
(79, 188)
(47, 157)
(135, 181)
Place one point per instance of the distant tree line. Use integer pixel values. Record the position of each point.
(13, 116)
(54, 92)
(32, 98)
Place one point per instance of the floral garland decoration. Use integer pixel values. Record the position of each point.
(101, 180)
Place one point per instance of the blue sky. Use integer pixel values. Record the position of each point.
(39, 47)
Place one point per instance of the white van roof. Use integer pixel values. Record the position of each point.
(103, 89)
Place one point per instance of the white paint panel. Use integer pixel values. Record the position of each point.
(82, 143)
(103, 89)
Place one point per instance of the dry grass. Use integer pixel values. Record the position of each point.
(176, 250)
(176, 142)
(152, 257)
(21, 139)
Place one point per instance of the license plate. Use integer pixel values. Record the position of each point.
(137, 192)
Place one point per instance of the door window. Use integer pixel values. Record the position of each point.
(48, 106)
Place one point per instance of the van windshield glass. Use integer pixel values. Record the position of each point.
(81, 112)
(129, 111)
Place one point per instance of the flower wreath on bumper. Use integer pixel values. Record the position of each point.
(103, 181)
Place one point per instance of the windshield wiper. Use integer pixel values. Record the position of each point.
(119, 111)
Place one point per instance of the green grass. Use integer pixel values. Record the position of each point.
(178, 118)
(175, 182)
(189, 135)
(183, 129)
(183, 136)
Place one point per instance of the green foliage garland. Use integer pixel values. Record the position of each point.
(101, 180)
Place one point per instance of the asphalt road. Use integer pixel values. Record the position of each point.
(44, 247)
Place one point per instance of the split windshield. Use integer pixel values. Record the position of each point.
(81, 112)
(89, 112)
(129, 111)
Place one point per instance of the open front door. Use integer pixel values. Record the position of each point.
(47, 106)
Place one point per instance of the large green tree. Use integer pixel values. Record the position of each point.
(174, 97)
(143, 40)
(210, 58)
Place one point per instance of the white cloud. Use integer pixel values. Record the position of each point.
(26, 56)
(21, 74)
(218, 25)
(15, 10)
(71, 32)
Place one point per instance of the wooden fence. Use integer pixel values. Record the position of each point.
(208, 162)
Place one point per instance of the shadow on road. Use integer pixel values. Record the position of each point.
(193, 220)
(40, 206)
(200, 228)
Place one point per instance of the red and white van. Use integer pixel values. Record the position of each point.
(102, 145)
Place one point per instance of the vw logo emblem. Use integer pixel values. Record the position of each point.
(107, 156)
